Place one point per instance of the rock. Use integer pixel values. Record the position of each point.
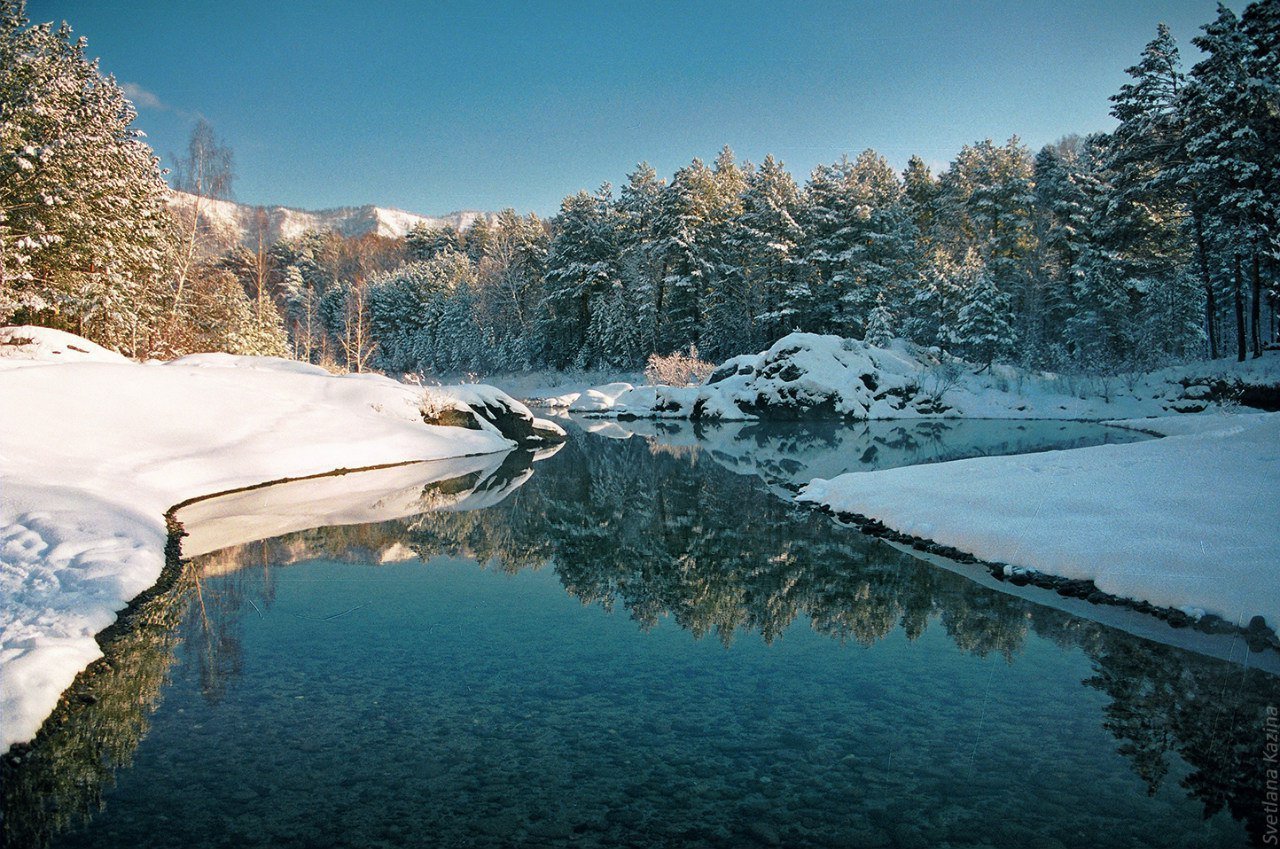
(468, 406)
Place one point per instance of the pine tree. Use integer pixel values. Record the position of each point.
(1064, 218)
(986, 203)
(85, 235)
(405, 308)
(858, 244)
(762, 241)
(983, 327)
(920, 193)
(727, 311)
(424, 243)
(1155, 221)
(640, 261)
(508, 288)
(1224, 146)
(1261, 22)
(935, 308)
(880, 324)
(681, 229)
(582, 263)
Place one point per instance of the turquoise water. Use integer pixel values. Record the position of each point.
(643, 646)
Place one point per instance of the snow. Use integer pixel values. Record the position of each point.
(1188, 521)
(220, 360)
(93, 452)
(476, 396)
(24, 345)
(808, 375)
(472, 395)
(1185, 425)
(599, 398)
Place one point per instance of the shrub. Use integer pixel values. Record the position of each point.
(678, 369)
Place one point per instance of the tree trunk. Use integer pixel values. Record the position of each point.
(1255, 304)
(1242, 347)
(1206, 279)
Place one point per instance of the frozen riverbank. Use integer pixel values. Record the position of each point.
(95, 448)
(1185, 522)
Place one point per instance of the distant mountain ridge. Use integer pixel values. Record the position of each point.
(238, 223)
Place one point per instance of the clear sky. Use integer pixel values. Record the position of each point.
(433, 107)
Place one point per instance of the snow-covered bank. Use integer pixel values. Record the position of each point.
(804, 375)
(1185, 522)
(94, 450)
(377, 495)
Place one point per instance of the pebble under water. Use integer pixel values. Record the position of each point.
(644, 646)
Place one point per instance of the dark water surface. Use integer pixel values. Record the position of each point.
(644, 645)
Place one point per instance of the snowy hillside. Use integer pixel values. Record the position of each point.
(239, 223)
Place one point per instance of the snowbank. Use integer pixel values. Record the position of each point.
(807, 376)
(94, 450)
(1185, 522)
(25, 345)
(378, 495)
(598, 398)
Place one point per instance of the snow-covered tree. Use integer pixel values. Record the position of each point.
(424, 243)
(858, 244)
(86, 240)
(880, 324)
(640, 260)
(681, 229)
(507, 291)
(582, 264)
(1231, 114)
(983, 329)
(986, 202)
(761, 242)
(406, 310)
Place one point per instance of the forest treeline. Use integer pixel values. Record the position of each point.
(1155, 242)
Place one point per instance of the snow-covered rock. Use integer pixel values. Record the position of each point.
(27, 345)
(804, 375)
(477, 405)
(598, 398)
(93, 452)
(672, 402)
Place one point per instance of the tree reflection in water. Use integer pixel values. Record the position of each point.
(669, 527)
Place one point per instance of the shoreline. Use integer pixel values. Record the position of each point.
(1259, 639)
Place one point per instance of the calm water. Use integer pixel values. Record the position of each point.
(645, 646)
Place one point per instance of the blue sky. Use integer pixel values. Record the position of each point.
(432, 107)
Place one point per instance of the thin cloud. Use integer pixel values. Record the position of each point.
(144, 99)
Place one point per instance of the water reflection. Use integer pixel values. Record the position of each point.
(664, 526)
